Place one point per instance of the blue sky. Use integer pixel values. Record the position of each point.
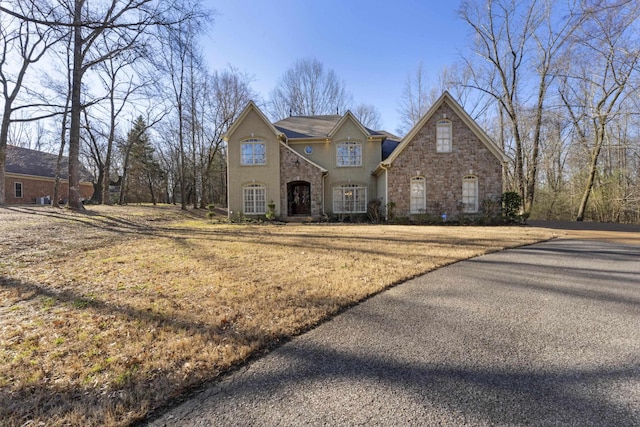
(371, 45)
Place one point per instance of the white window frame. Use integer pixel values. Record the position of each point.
(254, 199)
(470, 194)
(350, 198)
(418, 196)
(15, 190)
(444, 136)
(257, 154)
(349, 154)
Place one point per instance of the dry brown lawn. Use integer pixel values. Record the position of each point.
(108, 315)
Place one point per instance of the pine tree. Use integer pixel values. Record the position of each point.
(142, 178)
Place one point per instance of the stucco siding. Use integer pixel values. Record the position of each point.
(324, 154)
(253, 127)
(304, 175)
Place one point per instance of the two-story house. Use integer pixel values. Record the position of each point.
(316, 166)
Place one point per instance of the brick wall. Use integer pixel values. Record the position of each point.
(444, 172)
(303, 171)
(33, 188)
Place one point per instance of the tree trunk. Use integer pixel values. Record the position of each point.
(533, 167)
(204, 194)
(593, 168)
(183, 168)
(123, 179)
(151, 190)
(106, 199)
(106, 195)
(75, 202)
(63, 141)
(4, 134)
(98, 187)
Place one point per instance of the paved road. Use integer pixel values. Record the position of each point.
(546, 335)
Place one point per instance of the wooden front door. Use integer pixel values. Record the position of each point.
(299, 198)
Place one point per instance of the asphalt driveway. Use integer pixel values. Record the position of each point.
(543, 335)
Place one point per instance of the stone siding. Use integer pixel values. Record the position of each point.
(303, 171)
(444, 172)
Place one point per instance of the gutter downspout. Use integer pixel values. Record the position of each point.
(229, 213)
(324, 174)
(386, 190)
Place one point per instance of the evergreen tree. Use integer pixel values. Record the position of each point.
(142, 177)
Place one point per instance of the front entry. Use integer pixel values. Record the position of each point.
(299, 198)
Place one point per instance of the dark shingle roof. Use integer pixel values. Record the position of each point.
(389, 144)
(38, 163)
(312, 126)
(321, 126)
(307, 126)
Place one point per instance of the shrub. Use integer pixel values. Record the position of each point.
(490, 208)
(211, 211)
(271, 211)
(511, 204)
(402, 220)
(374, 210)
(426, 219)
(390, 211)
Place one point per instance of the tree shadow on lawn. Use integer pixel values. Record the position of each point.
(517, 390)
(96, 220)
(49, 402)
(265, 233)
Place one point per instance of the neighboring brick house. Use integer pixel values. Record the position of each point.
(30, 177)
(317, 166)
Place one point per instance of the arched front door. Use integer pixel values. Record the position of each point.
(299, 198)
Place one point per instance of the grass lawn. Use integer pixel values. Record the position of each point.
(108, 315)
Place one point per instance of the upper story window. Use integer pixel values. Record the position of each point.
(470, 194)
(17, 187)
(418, 195)
(349, 153)
(253, 152)
(443, 136)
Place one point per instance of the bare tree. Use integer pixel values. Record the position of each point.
(416, 98)
(308, 88)
(597, 80)
(368, 115)
(65, 120)
(101, 30)
(518, 45)
(120, 83)
(551, 200)
(23, 42)
(178, 44)
(226, 94)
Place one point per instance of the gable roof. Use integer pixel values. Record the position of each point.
(24, 161)
(307, 126)
(251, 106)
(466, 118)
(322, 126)
(349, 116)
